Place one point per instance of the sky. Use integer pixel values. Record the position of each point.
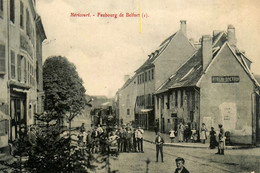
(105, 49)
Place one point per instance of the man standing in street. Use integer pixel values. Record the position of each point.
(221, 137)
(159, 146)
(139, 136)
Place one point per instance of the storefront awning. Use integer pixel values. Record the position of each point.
(146, 110)
(3, 116)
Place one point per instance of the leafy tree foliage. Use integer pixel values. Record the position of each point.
(64, 90)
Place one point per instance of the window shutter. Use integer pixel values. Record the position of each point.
(12, 11)
(19, 69)
(12, 65)
(2, 59)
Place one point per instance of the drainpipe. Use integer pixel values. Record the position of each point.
(8, 39)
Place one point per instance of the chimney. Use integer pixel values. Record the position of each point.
(126, 77)
(216, 32)
(231, 35)
(206, 50)
(183, 27)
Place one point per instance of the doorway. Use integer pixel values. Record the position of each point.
(18, 116)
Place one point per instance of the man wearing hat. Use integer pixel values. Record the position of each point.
(180, 166)
(159, 146)
(221, 138)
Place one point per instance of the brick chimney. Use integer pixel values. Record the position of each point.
(231, 35)
(183, 27)
(206, 46)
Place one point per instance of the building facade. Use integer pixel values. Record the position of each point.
(215, 86)
(163, 62)
(21, 37)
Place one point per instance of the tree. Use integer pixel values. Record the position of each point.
(64, 90)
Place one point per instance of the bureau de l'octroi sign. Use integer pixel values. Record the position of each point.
(225, 79)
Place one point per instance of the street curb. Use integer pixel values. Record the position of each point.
(205, 147)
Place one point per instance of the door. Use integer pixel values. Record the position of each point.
(18, 117)
(162, 125)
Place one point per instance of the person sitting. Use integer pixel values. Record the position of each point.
(180, 166)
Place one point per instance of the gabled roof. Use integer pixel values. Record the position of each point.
(191, 73)
(153, 56)
(240, 60)
(187, 75)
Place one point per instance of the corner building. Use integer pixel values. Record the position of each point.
(215, 86)
(21, 85)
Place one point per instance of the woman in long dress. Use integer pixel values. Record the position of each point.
(203, 135)
(181, 132)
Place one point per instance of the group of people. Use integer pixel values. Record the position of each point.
(187, 133)
(100, 139)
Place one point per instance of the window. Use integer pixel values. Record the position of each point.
(27, 23)
(12, 65)
(158, 102)
(176, 98)
(28, 72)
(181, 98)
(162, 102)
(142, 78)
(152, 74)
(12, 11)
(169, 121)
(25, 71)
(128, 111)
(4, 125)
(149, 75)
(2, 59)
(1, 8)
(19, 67)
(145, 76)
(168, 101)
(191, 116)
(149, 99)
(21, 15)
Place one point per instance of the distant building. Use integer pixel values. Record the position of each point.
(214, 86)
(136, 101)
(21, 37)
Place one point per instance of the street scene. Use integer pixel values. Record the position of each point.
(140, 86)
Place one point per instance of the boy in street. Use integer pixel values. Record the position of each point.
(180, 166)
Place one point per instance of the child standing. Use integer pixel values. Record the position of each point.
(172, 135)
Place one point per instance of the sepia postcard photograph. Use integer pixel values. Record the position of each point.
(133, 86)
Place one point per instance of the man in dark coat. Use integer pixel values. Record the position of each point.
(159, 146)
(221, 137)
(180, 166)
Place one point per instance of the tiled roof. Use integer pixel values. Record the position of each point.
(149, 62)
(188, 74)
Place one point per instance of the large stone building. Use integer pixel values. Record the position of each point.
(136, 101)
(21, 90)
(215, 86)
